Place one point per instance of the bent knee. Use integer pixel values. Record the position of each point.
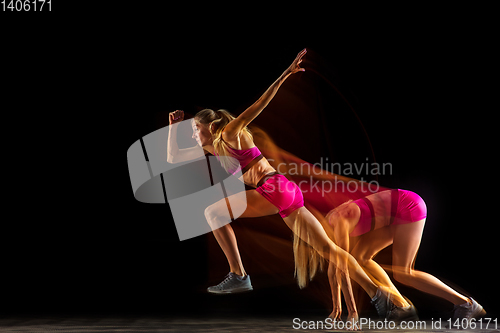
(349, 212)
(211, 213)
(216, 216)
(361, 258)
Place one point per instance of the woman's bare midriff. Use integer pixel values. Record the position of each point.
(256, 172)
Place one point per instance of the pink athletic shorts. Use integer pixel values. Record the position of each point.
(410, 208)
(282, 193)
(406, 207)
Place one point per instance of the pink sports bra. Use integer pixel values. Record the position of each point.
(246, 157)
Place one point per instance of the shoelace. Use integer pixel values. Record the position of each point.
(226, 280)
(389, 304)
(376, 303)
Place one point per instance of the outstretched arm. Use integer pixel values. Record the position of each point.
(246, 117)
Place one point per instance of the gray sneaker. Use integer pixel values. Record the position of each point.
(381, 303)
(232, 284)
(468, 311)
(399, 314)
(387, 309)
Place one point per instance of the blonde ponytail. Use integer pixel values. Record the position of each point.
(307, 260)
(217, 121)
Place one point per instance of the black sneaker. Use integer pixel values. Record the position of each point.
(232, 284)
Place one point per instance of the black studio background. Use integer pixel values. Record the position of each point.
(81, 243)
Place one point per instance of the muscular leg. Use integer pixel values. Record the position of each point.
(406, 242)
(227, 241)
(327, 248)
(366, 248)
(256, 205)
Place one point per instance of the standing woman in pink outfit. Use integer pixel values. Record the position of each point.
(221, 134)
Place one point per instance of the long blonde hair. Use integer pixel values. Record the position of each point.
(307, 259)
(217, 121)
